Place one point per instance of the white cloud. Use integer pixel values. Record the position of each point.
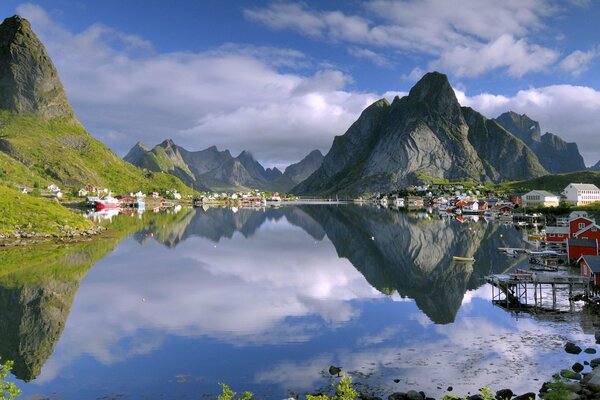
(466, 37)
(566, 110)
(370, 55)
(517, 56)
(235, 96)
(578, 61)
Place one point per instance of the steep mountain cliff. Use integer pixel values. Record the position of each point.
(424, 134)
(596, 167)
(38, 129)
(554, 153)
(29, 81)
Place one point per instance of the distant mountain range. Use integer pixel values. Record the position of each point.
(428, 135)
(211, 169)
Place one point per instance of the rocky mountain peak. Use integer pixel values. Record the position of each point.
(521, 126)
(434, 89)
(29, 82)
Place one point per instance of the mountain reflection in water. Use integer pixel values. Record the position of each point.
(244, 280)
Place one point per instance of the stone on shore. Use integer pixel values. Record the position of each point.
(572, 348)
(504, 394)
(577, 367)
(590, 350)
(526, 396)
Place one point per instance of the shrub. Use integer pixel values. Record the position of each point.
(8, 390)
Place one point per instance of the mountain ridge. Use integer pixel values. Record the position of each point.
(554, 153)
(426, 133)
(211, 169)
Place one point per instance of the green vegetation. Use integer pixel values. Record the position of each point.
(229, 394)
(486, 394)
(33, 214)
(345, 391)
(37, 150)
(557, 390)
(553, 183)
(8, 390)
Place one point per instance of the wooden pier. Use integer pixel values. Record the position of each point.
(514, 288)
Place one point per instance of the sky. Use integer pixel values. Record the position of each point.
(281, 78)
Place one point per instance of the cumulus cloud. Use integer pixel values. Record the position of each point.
(578, 61)
(468, 38)
(567, 110)
(234, 96)
(370, 55)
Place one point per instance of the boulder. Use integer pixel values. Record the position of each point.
(504, 394)
(526, 396)
(595, 362)
(590, 350)
(597, 336)
(572, 348)
(414, 395)
(577, 367)
(592, 381)
(397, 396)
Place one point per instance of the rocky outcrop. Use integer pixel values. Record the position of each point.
(422, 135)
(29, 82)
(553, 152)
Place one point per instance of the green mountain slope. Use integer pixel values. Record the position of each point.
(555, 182)
(40, 138)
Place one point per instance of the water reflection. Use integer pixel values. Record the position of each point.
(323, 284)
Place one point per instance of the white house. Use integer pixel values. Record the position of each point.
(581, 193)
(537, 198)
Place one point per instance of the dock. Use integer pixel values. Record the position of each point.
(514, 288)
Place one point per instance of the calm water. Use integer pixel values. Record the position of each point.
(266, 300)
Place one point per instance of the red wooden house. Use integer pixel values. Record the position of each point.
(591, 231)
(577, 224)
(581, 247)
(557, 233)
(590, 266)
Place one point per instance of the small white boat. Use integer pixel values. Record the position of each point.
(457, 258)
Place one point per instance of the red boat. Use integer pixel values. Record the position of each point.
(107, 202)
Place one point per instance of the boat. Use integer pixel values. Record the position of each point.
(107, 202)
(545, 268)
(457, 258)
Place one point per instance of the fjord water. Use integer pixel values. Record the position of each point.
(266, 300)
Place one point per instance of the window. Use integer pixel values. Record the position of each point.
(581, 225)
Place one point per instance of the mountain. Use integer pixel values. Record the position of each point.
(554, 153)
(41, 141)
(596, 167)
(211, 169)
(424, 135)
(29, 81)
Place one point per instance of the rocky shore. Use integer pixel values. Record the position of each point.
(570, 383)
(25, 235)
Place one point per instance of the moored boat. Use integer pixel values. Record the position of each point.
(457, 258)
(107, 202)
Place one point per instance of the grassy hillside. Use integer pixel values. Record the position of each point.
(35, 214)
(554, 183)
(61, 151)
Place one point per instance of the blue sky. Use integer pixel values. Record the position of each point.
(281, 78)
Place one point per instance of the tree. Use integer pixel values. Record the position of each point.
(8, 390)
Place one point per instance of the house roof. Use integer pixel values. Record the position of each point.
(585, 228)
(584, 186)
(582, 242)
(593, 262)
(543, 193)
(557, 229)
